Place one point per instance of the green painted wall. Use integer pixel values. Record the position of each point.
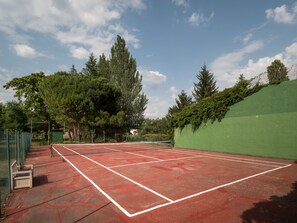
(264, 124)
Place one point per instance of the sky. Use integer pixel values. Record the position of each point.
(170, 39)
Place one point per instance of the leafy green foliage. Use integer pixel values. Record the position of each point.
(155, 126)
(26, 90)
(277, 72)
(79, 99)
(14, 117)
(206, 85)
(118, 120)
(211, 108)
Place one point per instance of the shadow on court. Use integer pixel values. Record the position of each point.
(277, 209)
(59, 195)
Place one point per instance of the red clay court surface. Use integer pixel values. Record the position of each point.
(147, 183)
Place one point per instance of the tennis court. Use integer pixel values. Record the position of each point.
(144, 180)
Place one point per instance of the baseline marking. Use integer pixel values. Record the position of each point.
(121, 175)
(229, 157)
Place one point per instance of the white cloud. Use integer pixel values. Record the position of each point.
(152, 79)
(247, 38)
(227, 68)
(282, 15)
(79, 52)
(74, 23)
(183, 3)
(197, 19)
(173, 92)
(23, 50)
(231, 61)
(157, 107)
(6, 76)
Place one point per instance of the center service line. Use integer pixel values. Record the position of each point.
(140, 185)
(136, 154)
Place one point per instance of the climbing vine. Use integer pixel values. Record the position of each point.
(212, 108)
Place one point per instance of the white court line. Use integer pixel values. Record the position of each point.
(240, 161)
(121, 175)
(171, 201)
(230, 157)
(234, 159)
(145, 156)
(96, 186)
(160, 161)
(206, 191)
(134, 154)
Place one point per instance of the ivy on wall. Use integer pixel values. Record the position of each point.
(212, 108)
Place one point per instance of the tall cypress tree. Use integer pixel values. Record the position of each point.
(206, 85)
(123, 73)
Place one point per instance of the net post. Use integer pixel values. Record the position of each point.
(51, 150)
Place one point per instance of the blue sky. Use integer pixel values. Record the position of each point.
(170, 39)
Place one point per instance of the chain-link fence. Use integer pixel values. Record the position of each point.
(13, 146)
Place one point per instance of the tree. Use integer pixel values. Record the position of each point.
(242, 83)
(1, 112)
(117, 121)
(103, 67)
(73, 70)
(155, 126)
(91, 67)
(206, 85)
(124, 74)
(181, 101)
(14, 117)
(27, 91)
(78, 100)
(277, 72)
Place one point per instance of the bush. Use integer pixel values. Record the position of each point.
(156, 137)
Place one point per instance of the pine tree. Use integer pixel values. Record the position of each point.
(124, 74)
(103, 67)
(72, 70)
(277, 72)
(206, 85)
(91, 67)
(181, 101)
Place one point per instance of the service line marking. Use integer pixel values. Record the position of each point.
(136, 154)
(160, 161)
(121, 175)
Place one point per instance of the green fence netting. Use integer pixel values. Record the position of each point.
(13, 146)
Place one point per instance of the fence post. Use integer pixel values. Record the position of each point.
(2, 214)
(6, 133)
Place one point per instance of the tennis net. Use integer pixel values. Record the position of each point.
(85, 149)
